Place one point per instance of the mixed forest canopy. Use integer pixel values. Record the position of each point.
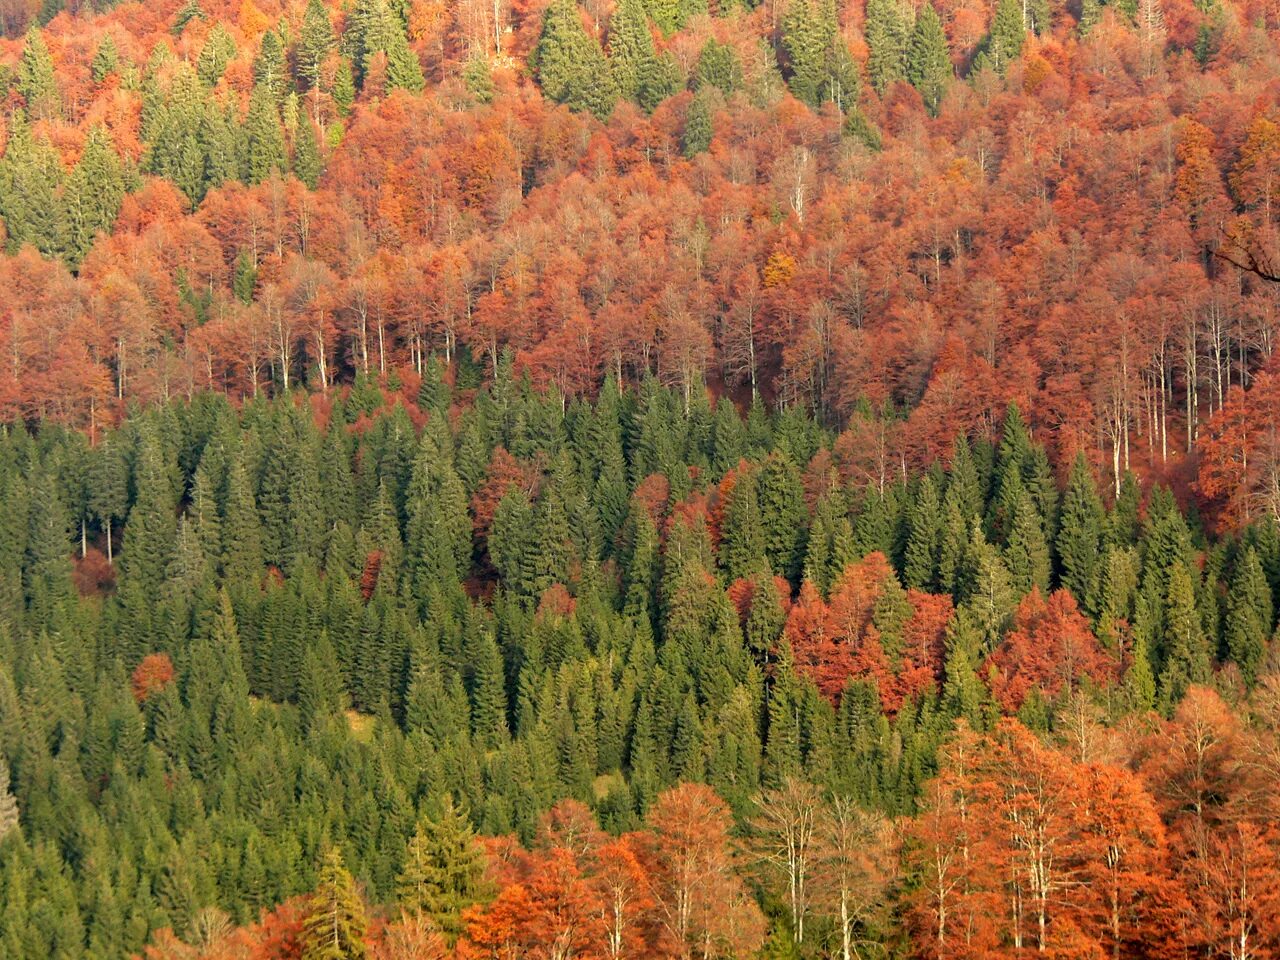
(710, 684)
(485, 479)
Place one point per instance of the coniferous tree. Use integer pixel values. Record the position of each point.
(30, 180)
(697, 126)
(443, 871)
(1249, 614)
(334, 926)
(479, 79)
(92, 196)
(1004, 42)
(888, 34)
(1079, 543)
(306, 154)
(8, 805)
(315, 42)
(344, 87)
(719, 67)
(219, 50)
(109, 489)
(1185, 656)
(929, 59)
(569, 64)
(37, 81)
(742, 541)
(106, 60)
(924, 541)
(633, 61)
(262, 148)
(780, 496)
(1026, 551)
(152, 527)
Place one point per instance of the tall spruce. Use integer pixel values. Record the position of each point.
(929, 59)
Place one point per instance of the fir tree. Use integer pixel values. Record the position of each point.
(443, 870)
(334, 925)
(1079, 543)
(306, 154)
(479, 79)
(697, 126)
(718, 67)
(1004, 43)
(93, 195)
(8, 805)
(805, 36)
(344, 87)
(269, 69)
(37, 81)
(929, 59)
(888, 34)
(315, 42)
(1185, 654)
(780, 495)
(263, 144)
(1249, 614)
(1026, 551)
(569, 64)
(633, 61)
(30, 180)
(920, 561)
(106, 60)
(219, 50)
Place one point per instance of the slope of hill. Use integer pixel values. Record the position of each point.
(639, 479)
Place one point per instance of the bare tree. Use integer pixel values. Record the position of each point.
(783, 833)
(854, 862)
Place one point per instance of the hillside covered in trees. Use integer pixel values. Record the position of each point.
(495, 479)
(338, 634)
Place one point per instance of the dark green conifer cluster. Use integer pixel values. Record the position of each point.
(391, 626)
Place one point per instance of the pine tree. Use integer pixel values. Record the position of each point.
(334, 926)
(106, 60)
(37, 81)
(920, 561)
(888, 34)
(633, 61)
(780, 495)
(1185, 655)
(443, 871)
(30, 179)
(219, 50)
(569, 64)
(93, 195)
(263, 143)
(1008, 33)
(1249, 615)
(269, 69)
(1079, 543)
(929, 59)
(315, 42)
(697, 126)
(306, 154)
(718, 67)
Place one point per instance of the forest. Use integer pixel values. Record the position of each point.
(611, 479)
